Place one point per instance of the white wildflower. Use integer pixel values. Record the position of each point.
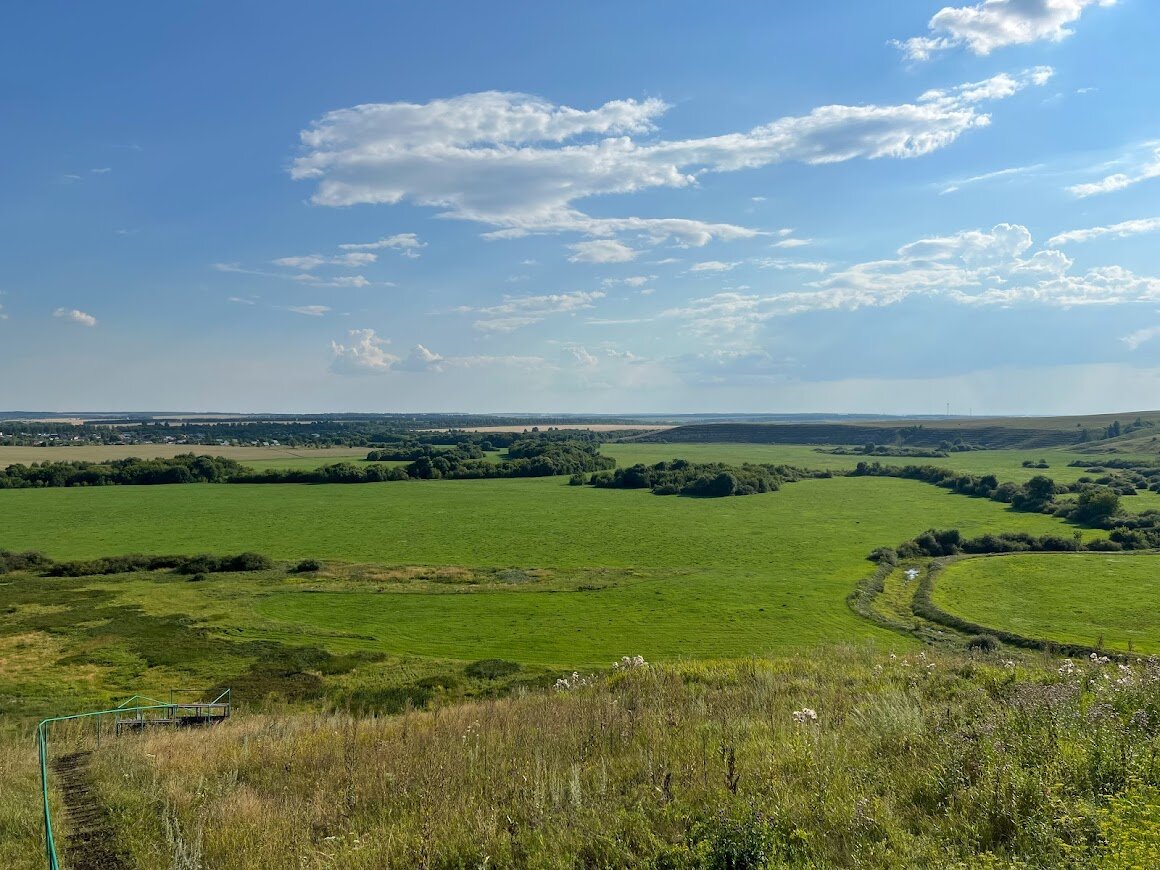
(805, 716)
(628, 663)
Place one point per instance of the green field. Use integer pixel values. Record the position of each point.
(749, 574)
(1081, 598)
(1007, 465)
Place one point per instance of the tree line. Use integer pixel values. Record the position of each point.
(700, 480)
(530, 457)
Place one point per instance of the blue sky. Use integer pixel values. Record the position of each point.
(600, 207)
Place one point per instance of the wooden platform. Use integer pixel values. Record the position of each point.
(173, 715)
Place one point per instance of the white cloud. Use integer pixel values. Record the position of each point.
(313, 261)
(582, 356)
(103, 170)
(1120, 180)
(240, 300)
(793, 243)
(422, 359)
(1121, 230)
(991, 24)
(519, 164)
(309, 310)
(602, 251)
(957, 184)
(3, 316)
(516, 312)
(1141, 336)
(408, 244)
(791, 265)
(714, 266)
(302, 277)
(632, 281)
(366, 354)
(75, 316)
(338, 281)
(974, 267)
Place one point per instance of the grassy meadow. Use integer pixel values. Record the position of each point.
(1096, 599)
(725, 576)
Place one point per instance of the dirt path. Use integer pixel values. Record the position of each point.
(91, 843)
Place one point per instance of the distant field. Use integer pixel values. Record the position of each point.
(749, 574)
(1007, 465)
(289, 457)
(1077, 598)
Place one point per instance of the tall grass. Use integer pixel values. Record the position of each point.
(916, 760)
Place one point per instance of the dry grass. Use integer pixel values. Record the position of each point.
(915, 761)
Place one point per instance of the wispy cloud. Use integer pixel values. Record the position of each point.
(303, 277)
(991, 24)
(714, 266)
(309, 310)
(996, 267)
(75, 316)
(313, 261)
(602, 251)
(1121, 230)
(957, 184)
(1143, 171)
(516, 312)
(408, 244)
(1141, 336)
(365, 352)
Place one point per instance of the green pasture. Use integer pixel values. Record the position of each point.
(1088, 598)
(724, 576)
(1007, 465)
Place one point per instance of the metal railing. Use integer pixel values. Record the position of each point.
(152, 713)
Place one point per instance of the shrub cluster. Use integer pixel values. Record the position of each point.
(30, 560)
(702, 480)
(950, 542)
(200, 564)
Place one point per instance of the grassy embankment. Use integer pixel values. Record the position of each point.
(924, 760)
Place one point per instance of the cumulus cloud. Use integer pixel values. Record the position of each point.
(516, 312)
(1119, 181)
(991, 24)
(408, 244)
(75, 316)
(520, 164)
(602, 251)
(1121, 231)
(713, 266)
(422, 359)
(365, 354)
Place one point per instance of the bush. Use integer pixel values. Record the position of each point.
(31, 560)
(491, 669)
(983, 643)
(306, 566)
